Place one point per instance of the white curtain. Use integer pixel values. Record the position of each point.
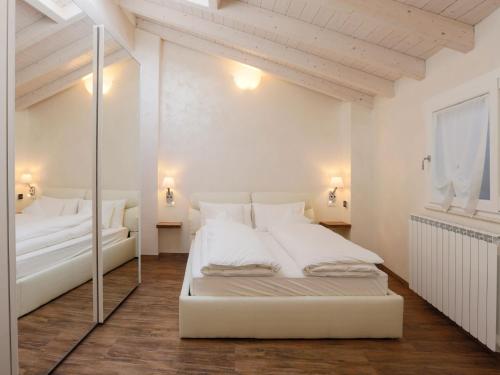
(459, 149)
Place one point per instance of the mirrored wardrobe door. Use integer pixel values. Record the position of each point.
(55, 131)
(119, 172)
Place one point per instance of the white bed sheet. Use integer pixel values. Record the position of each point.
(36, 261)
(289, 281)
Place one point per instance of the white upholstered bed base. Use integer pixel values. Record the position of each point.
(36, 290)
(288, 317)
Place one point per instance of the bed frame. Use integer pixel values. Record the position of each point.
(285, 317)
(42, 287)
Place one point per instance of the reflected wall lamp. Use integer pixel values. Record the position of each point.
(27, 179)
(169, 184)
(336, 183)
(88, 81)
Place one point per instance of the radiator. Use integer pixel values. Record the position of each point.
(456, 270)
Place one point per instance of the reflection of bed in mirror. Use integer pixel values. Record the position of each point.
(56, 252)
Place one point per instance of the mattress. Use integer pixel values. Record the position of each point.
(289, 281)
(36, 261)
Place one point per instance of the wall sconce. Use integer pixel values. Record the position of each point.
(88, 81)
(247, 77)
(169, 184)
(27, 178)
(335, 183)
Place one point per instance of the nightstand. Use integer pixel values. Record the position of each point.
(170, 236)
(169, 224)
(339, 227)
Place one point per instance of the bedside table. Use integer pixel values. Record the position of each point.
(339, 227)
(170, 239)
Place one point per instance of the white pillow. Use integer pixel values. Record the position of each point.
(267, 215)
(240, 213)
(70, 206)
(51, 206)
(34, 209)
(85, 208)
(118, 213)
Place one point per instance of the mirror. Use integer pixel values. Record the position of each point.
(120, 174)
(55, 148)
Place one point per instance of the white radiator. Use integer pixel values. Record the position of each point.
(456, 270)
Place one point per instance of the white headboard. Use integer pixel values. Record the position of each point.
(238, 197)
(281, 197)
(131, 219)
(244, 198)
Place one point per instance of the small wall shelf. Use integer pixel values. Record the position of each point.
(335, 224)
(169, 224)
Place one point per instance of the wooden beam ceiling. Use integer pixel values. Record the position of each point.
(65, 82)
(330, 44)
(278, 53)
(116, 22)
(54, 11)
(40, 30)
(441, 30)
(54, 61)
(281, 71)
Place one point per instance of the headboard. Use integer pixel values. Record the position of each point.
(245, 198)
(131, 218)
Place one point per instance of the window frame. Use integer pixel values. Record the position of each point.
(484, 85)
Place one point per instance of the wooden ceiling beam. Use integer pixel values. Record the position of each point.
(287, 74)
(52, 62)
(115, 21)
(278, 53)
(40, 30)
(439, 29)
(54, 11)
(333, 45)
(63, 83)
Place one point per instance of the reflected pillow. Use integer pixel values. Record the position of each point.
(118, 213)
(34, 209)
(51, 206)
(85, 208)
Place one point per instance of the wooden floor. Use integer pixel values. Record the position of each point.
(47, 334)
(141, 338)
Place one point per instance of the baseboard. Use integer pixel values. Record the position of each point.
(393, 274)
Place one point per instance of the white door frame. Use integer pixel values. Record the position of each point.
(8, 318)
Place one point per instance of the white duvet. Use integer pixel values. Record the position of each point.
(233, 249)
(33, 235)
(320, 252)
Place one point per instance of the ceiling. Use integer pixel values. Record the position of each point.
(352, 50)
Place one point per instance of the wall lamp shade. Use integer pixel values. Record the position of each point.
(26, 178)
(336, 182)
(88, 81)
(169, 183)
(247, 77)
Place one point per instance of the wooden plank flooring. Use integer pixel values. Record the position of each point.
(142, 338)
(46, 334)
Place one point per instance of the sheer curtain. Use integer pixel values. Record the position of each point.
(459, 150)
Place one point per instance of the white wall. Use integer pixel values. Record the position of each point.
(401, 143)
(215, 137)
(54, 138)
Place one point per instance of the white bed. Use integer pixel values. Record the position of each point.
(288, 281)
(288, 305)
(46, 273)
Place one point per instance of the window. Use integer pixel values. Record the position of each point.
(461, 160)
